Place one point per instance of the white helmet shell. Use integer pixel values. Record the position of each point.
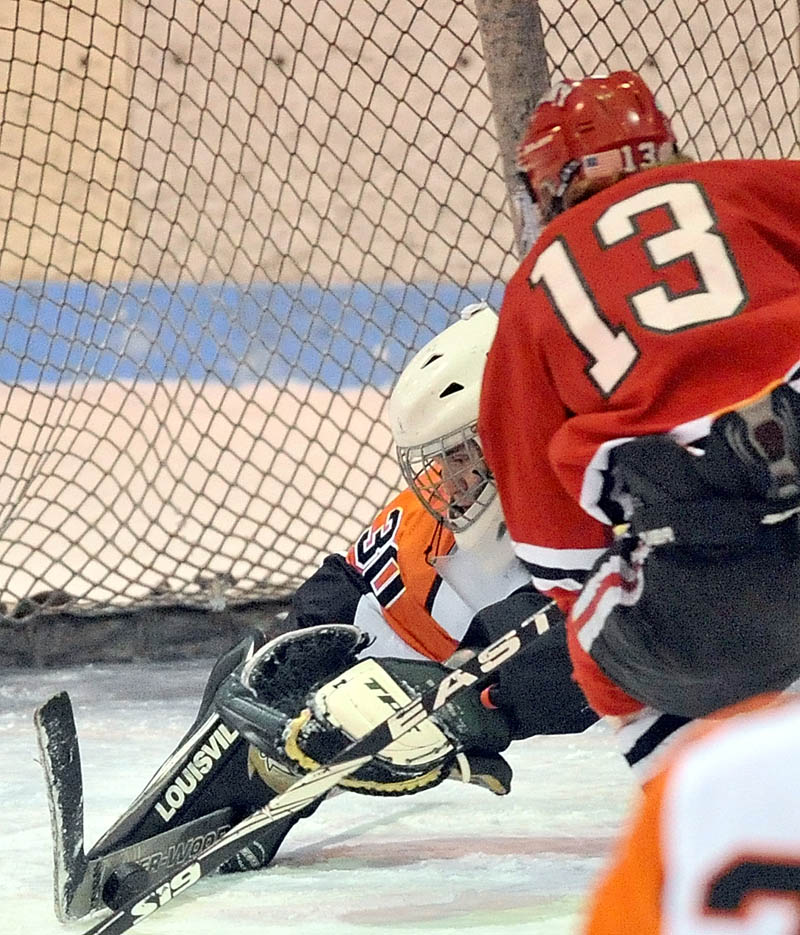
(439, 390)
(433, 415)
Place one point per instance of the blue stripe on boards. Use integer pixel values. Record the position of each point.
(341, 337)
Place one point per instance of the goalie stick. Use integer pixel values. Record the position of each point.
(313, 785)
(78, 878)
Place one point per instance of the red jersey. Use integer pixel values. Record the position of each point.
(646, 309)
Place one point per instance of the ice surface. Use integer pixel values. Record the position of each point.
(453, 860)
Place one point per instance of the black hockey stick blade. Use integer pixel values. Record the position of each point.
(474, 672)
(61, 761)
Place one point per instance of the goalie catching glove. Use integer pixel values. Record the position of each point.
(304, 697)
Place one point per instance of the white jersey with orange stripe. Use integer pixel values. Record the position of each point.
(715, 845)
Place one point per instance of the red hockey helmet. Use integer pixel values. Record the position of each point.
(596, 128)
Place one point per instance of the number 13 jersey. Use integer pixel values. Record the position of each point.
(646, 309)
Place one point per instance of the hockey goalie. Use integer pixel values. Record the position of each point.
(431, 582)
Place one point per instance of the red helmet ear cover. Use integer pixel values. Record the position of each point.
(580, 118)
(544, 150)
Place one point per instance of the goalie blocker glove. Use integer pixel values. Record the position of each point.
(535, 690)
(305, 697)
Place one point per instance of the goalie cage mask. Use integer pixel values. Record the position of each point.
(451, 478)
(433, 413)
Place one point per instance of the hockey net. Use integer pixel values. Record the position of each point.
(229, 223)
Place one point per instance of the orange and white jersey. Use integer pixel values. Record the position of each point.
(714, 848)
(423, 591)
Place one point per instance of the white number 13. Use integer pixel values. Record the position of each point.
(720, 293)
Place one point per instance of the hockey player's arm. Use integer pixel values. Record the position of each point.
(536, 692)
(382, 586)
(340, 588)
(331, 595)
(522, 425)
(338, 593)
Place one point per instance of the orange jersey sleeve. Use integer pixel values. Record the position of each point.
(628, 899)
(392, 556)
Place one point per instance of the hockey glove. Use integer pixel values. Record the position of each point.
(305, 698)
(534, 690)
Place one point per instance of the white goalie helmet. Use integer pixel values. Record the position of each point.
(433, 414)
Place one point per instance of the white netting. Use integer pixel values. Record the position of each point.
(228, 225)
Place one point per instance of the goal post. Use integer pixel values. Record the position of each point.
(228, 225)
(518, 74)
